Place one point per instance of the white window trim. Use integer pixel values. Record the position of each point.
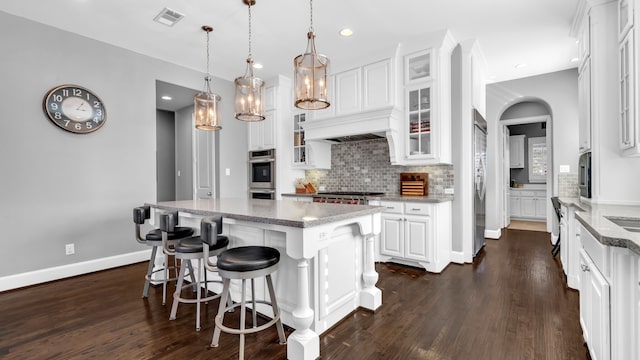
(533, 178)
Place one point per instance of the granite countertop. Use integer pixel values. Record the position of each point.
(286, 213)
(593, 217)
(392, 197)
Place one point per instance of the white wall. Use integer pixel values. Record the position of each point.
(560, 91)
(57, 187)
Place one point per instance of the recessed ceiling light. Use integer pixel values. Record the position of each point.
(166, 97)
(346, 32)
(520, 66)
(257, 66)
(575, 59)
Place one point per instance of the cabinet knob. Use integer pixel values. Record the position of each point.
(585, 267)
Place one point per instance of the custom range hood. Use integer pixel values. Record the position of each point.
(373, 124)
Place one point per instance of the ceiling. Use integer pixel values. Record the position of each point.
(510, 32)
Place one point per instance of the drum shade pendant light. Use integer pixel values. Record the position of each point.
(310, 75)
(249, 89)
(207, 110)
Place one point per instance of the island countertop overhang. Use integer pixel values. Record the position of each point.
(276, 212)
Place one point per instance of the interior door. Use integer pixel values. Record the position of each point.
(204, 163)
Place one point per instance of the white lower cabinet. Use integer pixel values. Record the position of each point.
(594, 308)
(528, 204)
(569, 247)
(416, 234)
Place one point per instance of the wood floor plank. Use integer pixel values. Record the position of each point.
(511, 303)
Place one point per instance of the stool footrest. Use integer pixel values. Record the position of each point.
(218, 321)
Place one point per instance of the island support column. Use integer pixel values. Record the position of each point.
(303, 343)
(370, 296)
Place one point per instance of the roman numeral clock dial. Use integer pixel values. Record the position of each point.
(75, 109)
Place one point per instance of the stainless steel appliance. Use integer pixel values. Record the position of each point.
(345, 197)
(584, 175)
(480, 179)
(269, 194)
(262, 169)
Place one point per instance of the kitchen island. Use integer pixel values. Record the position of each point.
(327, 263)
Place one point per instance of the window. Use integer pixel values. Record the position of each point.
(538, 160)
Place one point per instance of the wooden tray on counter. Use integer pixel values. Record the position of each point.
(414, 184)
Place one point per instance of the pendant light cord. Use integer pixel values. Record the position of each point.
(250, 56)
(311, 16)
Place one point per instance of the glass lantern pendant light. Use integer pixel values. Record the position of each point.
(207, 110)
(310, 75)
(249, 89)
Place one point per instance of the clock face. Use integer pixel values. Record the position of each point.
(75, 109)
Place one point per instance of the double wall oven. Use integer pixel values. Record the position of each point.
(262, 174)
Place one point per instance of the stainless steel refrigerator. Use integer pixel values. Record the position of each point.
(480, 179)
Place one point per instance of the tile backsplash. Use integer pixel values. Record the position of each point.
(568, 185)
(365, 166)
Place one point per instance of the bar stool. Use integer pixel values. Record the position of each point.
(247, 262)
(154, 239)
(192, 249)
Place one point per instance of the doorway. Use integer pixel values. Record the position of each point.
(526, 188)
(174, 142)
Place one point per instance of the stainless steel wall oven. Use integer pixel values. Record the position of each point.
(262, 169)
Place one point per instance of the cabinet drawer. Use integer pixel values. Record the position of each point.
(417, 208)
(527, 193)
(598, 252)
(393, 207)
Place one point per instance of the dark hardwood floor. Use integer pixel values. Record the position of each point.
(511, 303)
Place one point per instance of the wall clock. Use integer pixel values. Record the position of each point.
(75, 109)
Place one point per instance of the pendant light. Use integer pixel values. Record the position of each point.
(310, 75)
(207, 110)
(249, 102)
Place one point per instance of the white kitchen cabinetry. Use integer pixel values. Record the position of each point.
(516, 151)
(628, 79)
(416, 233)
(584, 108)
(569, 246)
(528, 204)
(262, 134)
(427, 91)
(308, 154)
(358, 90)
(626, 109)
(594, 308)
(348, 92)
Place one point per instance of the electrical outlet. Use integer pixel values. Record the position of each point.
(70, 249)
(448, 191)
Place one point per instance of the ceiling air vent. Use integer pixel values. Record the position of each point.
(168, 17)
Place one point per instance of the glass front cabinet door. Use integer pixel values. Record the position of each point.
(299, 146)
(418, 132)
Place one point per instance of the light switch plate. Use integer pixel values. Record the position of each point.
(227, 171)
(565, 168)
(448, 191)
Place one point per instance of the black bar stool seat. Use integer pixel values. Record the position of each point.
(247, 262)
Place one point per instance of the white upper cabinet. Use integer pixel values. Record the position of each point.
(358, 90)
(516, 151)
(378, 85)
(427, 109)
(348, 92)
(625, 17)
(584, 107)
(629, 128)
(262, 134)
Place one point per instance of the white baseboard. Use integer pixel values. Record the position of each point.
(457, 257)
(60, 272)
(492, 234)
